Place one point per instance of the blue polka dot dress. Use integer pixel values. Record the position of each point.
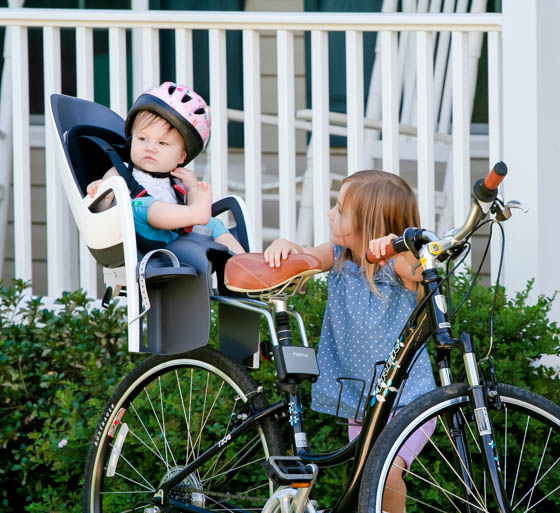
(359, 329)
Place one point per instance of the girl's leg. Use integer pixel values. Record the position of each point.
(353, 430)
(394, 499)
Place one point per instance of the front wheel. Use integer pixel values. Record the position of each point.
(527, 438)
(166, 413)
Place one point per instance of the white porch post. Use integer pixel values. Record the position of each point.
(531, 109)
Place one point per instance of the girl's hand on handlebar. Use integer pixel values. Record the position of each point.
(279, 250)
(379, 247)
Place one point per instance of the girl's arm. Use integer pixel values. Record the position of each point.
(170, 216)
(281, 248)
(405, 263)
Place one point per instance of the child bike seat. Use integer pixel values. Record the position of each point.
(250, 273)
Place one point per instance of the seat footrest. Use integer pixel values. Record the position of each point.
(289, 469)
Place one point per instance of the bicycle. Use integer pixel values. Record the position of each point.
(192, 432)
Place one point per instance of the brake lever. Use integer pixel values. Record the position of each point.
(504, 211)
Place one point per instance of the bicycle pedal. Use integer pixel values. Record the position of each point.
(289, 470)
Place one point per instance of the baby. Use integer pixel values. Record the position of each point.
(169, 126)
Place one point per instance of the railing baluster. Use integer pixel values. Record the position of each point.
(425, 110)
(252, 130)
(320, 140)
(218, 102)
(61, 232)
(495, 148)
(184, 64)
(286, 134)
(184, 57)
(355, 99)
(390, 101)
(21, 156)
(460, 129)
(150, 58)
(84, 86)
(117, 70)
(412, 27)
(84, 63)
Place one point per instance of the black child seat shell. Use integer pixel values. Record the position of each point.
(90, 140)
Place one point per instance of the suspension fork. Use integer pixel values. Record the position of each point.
(479, 404)
(456, 426)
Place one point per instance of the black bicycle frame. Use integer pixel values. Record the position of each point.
(429, 319)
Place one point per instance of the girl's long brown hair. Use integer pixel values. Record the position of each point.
(381, 203)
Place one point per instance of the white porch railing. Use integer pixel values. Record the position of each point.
(62, 252)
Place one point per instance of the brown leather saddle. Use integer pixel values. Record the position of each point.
(250, 273)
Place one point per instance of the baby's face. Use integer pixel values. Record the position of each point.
(156, 149)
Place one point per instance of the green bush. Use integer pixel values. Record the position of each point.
(58, 370)
(59, 367)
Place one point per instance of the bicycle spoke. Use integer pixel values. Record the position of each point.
(159, 425)
(519, 461)
(439, 487)
(199, 439)
(126, 478)
(148, 433)
(539, 468)
(462, 463)
(473, 437)
(419, 501)
(435, 481)
(163, 431)
(236, 468)
(157, 455)
(189, 437)
(537, 482)
(254, 441)
(505, 446)
(204, 420)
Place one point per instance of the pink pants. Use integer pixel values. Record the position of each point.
(413, 446)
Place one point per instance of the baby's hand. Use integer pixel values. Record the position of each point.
(201, 206)
(379, 246)
(92, 188)
(186, 176)
(278, 251)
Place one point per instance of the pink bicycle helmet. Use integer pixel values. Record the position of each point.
(182, 108)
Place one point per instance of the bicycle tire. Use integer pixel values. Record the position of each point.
(175, 407)
(527, 437)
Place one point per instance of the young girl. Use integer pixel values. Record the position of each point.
(169, 126)
(368, 304)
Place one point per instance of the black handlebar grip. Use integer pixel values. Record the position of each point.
(485, 189)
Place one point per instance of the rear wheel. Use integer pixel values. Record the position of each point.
(527, 437)
(166, 413)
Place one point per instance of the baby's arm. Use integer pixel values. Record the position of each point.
(405, 263)
(92, 188)
(170, 216)
(281, 248)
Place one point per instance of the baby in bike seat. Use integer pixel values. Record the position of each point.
(167, 127)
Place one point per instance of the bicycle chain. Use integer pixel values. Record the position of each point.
(224, 495)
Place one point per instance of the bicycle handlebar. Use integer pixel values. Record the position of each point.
(485, 190)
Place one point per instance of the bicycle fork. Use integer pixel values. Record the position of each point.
(477, 396)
